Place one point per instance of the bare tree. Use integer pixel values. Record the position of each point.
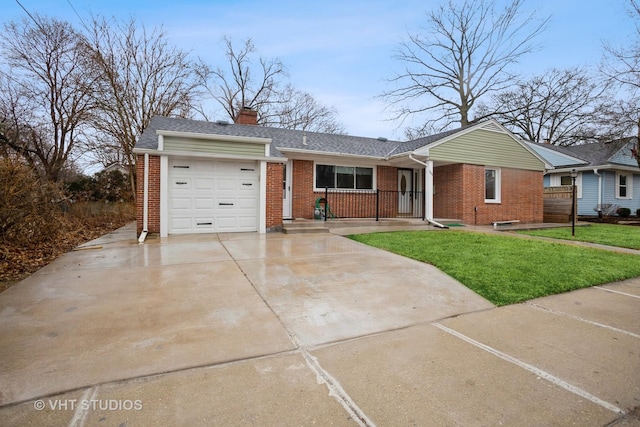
(141, 75)
(558, 106)
(622, 66)
(242, 83)
(46, 99)
(463, 54)
(260, 84)
(300, 110)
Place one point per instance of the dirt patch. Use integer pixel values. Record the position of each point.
(19, 261)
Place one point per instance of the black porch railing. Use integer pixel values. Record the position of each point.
(369, 204)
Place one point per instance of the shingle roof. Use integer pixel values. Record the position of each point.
(285, 138)
(595, 154)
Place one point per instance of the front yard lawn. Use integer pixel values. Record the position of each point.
(623, 236)
(507, 270)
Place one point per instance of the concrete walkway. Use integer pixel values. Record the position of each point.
(247, 329)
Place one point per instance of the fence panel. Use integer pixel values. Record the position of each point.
(557, 204)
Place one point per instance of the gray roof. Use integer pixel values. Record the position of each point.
(596, 153)
(287, 138)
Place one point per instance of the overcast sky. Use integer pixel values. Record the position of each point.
(341, 50)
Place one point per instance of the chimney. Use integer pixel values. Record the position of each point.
(247, 116)
(546, 141)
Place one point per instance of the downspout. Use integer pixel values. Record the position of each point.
(595, 172)
(428, 218)
(145, 201)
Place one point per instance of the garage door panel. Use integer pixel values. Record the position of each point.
(181, 184)
(204, 184)
(247, 204)
(223, 184)
(180, 224)
(203, 204)
(180, 203)
(204, 223)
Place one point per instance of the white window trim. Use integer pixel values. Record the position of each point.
(374, 179)
(555, 182)
(629, 176)
(498, 198)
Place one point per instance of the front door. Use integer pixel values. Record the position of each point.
(405, 191)
(286, 190)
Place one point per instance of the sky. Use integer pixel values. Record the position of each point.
(341, 51)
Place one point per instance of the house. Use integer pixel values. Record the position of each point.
(116, 166)
(196, 176)
(607, 173)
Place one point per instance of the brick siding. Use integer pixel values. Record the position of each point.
(275, 173)
(459, 189)
(153, 218)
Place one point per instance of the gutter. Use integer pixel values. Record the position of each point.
(595, 172)
(429, 220)
(145, 201)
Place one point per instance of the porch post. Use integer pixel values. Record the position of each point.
(428, 190)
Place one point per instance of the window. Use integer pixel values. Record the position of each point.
(565, 179)
(624, 185)
(492, 185)
(344, 177)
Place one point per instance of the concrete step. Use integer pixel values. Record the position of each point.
(305, 227)
(307, 230)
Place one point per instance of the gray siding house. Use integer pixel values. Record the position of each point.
(608, 174)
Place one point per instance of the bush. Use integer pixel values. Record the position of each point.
(623, 212)
(606, 209)
(638, 212)
(112, 186)
(30, 209)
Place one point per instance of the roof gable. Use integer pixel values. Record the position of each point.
(485, 143)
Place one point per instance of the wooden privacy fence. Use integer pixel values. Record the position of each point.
(557, 204)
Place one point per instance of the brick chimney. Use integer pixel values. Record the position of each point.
(247, 116)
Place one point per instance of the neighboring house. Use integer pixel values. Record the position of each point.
(116, 167)
(607, 173)
(196, 176)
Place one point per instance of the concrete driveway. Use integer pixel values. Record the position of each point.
(247, 329)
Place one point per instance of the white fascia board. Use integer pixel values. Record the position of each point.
(209, 155)
(311, 153)
(216, 137)
(607, 166)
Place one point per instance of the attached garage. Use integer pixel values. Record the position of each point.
(195, 177)
(212, 196)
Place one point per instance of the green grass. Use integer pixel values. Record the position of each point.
(507, 270)
(624, 236)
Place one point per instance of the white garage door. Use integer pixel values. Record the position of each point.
(212, 196)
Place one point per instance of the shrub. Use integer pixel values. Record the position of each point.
(638, 212)
(606, 209)
(623, 212)
(30, 207)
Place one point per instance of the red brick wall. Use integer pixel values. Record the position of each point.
(302, 196)
(460, 188)
(153, 218)
(274, 195)
(348, 205)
